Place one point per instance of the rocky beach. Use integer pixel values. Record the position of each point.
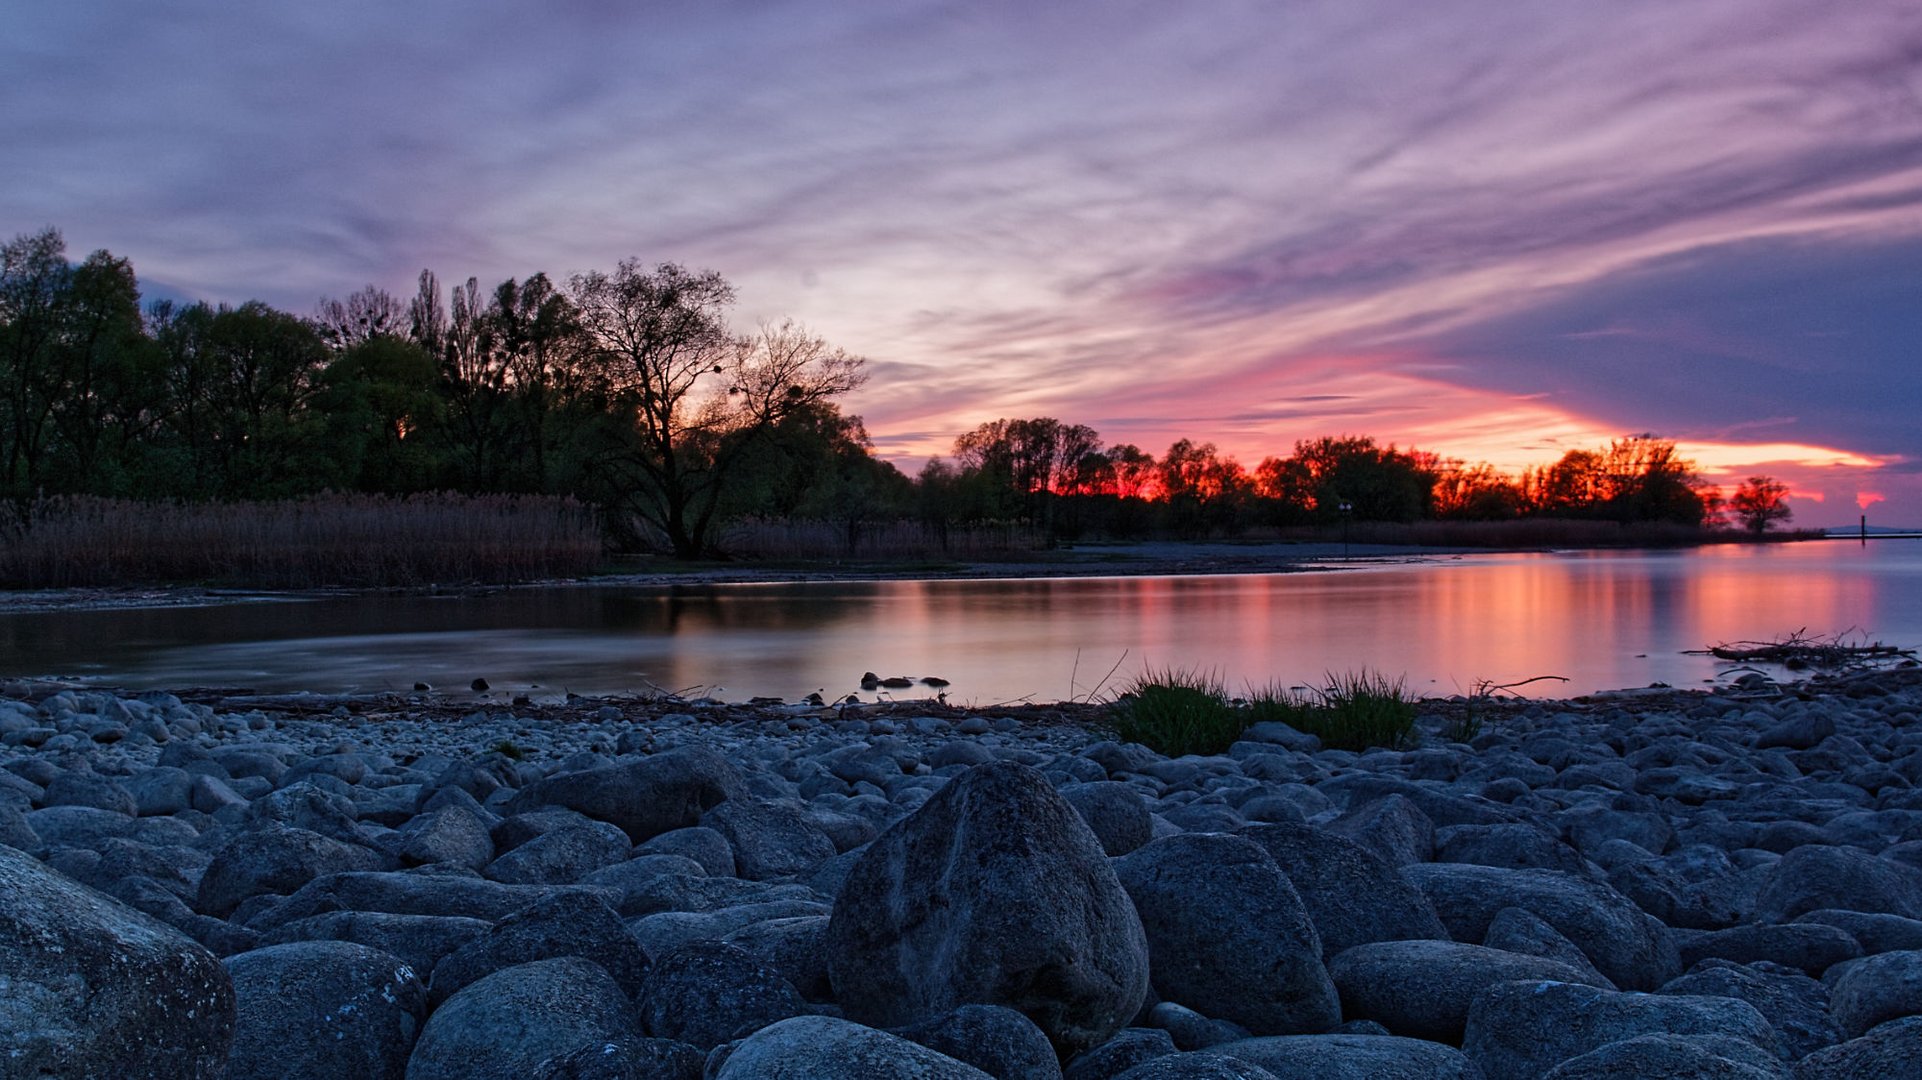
(1720, 884)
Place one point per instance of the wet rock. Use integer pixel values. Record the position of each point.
(1228, 935)
(505, 1025)
(322, 1009)
(706, 993)
(94, 988)
(1628, 946)
(1520, 1030)
(1353, 896)
(1422, 989)
(809, 1047)
(994, 892)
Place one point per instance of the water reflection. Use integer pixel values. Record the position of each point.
(1603, 619)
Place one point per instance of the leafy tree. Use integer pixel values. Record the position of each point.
(35, 282)
(1760, 502)
(699, 395)
(1204, 490)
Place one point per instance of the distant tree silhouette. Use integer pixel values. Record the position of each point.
(700, 397)
(1760, 502)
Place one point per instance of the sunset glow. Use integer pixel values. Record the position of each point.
(1492, 231)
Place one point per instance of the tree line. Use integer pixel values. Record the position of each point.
(631, 392)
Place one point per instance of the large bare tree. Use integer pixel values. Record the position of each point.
(701, 395)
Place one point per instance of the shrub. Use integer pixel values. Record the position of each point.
(1178, 711)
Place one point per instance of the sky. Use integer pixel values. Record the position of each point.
(1493, 230)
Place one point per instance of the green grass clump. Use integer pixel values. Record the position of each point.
(1275, 701)
(1361, 709)
(1178, 711)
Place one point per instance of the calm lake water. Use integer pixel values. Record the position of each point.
(1604, 619)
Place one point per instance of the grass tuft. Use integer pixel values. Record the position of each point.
(1176, 711)
(1362, 709)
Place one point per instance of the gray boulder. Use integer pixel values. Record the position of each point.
(418, 940)
(1875, 933)
(999, 1041)
(1199, 1065)
(1815, 876)
(562, 856)
(1227, 934)
(644, 798)
(1794, 1004)
(505, 1025)
(1422, 989)
(1876, 989)
(794, 947)
(1810, 947)
(1364, 1057)
(1519, 930)
(994, 892)
(452, 835)
(1515, 846)
(94, 988)
(1673, 1057)
(1520, 1030)
(1625, 944)
(1129, 1048)
(706, 993)
(565, 924)
(703, 845)
(1353, 895)
(276, 859)
(1391, 827)
(626, 1059)
(321, 1010)
(769, 839)
(1115, 812)
(1888, 1052)
(815, 1047)
(409, 893)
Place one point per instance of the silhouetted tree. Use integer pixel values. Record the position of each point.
(1760, 502)
(700, 396)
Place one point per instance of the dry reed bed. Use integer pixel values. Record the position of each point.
(327, 540)
(776, 539)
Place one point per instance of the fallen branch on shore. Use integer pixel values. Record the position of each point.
(1800, 651)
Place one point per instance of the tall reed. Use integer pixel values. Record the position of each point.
(324, 540)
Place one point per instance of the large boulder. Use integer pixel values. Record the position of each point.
(815, 1047)
(1227, 934)
(994, 892)
(997, 1040)
(89, 987)
(565, 924)
(1353, 895)
(1889, 1052)
(275, 859)
(321, 1010)
(1875, 989)
(1817, 876)
(503, 1026)
(770, 839)
(1198, 1065)
(1520, 1030)
(1364, 1057)
(705, 993)
(1627, 945)
(1673, 1057)
(1421, 989)
(646, 797)
(1794, 1004)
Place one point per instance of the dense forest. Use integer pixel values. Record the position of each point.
(632, 394)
